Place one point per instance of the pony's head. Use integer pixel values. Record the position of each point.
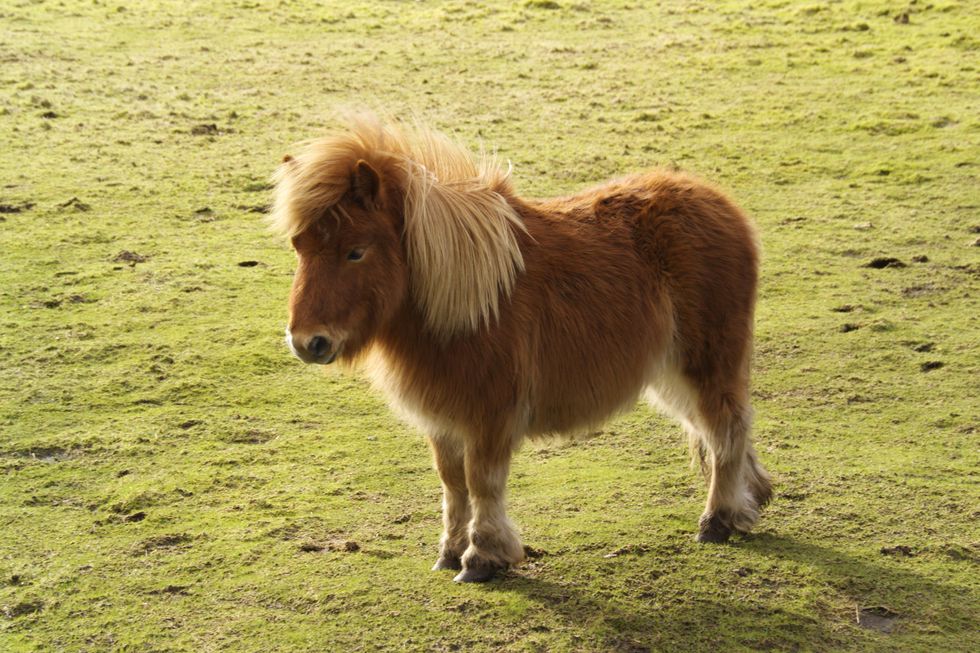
(384, 214)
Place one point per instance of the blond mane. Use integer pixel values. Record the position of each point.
(460, 232)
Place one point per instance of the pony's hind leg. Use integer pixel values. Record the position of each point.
(447, 454)
(738, 486)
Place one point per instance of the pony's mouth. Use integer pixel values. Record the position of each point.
(330, 357)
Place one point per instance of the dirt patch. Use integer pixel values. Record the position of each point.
(793, 496)
(251, 436)
(848, 327)
(920, 290)
(958, 552)
(346, 546)
(899, 550)
(46, 454)
(247, 264)
(311, 547)
(253, 208)
(127, 256)
(11, 208)
(76, 204)
(205, 129)
(163, 542)
(973, 270)
(629, 549)
(178, 590)
(929, 366)
(884, 262)
(877, 618)
(204, 214)
(22, 608)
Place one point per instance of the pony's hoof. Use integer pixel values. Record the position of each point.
(447, 562)
(713, 530)
(475, 575)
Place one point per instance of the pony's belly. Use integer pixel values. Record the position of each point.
(573, 399)
(575, 421)
(575, 409)
(575, 404)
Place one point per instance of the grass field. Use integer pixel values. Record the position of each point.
(172, 480)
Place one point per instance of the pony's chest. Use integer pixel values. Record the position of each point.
(428, 401)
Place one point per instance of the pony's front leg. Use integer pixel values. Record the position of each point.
(447, 454)
(494, 544)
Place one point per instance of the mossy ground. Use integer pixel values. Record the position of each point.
(171, 480)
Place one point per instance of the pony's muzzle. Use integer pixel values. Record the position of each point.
(315, 348)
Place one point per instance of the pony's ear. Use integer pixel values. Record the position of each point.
(365, 184)
(288, 165)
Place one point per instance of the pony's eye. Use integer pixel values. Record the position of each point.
(355, 254)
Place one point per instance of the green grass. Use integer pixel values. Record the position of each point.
(171, 480)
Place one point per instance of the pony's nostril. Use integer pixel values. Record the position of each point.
(318, 346)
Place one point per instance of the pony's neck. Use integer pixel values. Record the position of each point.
(407, 334)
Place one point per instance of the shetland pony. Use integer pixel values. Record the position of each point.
(487, 318)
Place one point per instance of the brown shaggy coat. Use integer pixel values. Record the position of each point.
(487, 318)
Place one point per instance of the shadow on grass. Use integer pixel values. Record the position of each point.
(900, 584)
(796, 614)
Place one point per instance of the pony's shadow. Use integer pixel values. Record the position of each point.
(702, 623)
